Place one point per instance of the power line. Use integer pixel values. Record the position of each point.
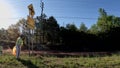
(13, 18)
(76, 17)
(64, 17)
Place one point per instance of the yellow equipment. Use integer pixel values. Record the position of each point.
(14, 51)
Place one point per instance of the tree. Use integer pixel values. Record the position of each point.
(83, 27)
(13, 32)
(116, 22)
(71, 27)
(93, 29)
(40, 22)
(103, 13)
(22, 23)
(3, 34)
(15, 29)
(105, 22)
(52, 30)
(102, 20)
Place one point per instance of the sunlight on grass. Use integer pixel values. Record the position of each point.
(9, 61)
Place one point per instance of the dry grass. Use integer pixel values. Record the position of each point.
(37, 61)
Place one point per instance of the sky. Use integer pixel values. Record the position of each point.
(64, 11)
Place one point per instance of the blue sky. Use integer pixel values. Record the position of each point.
(65, 11)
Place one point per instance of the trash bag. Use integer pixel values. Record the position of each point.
(14, 51)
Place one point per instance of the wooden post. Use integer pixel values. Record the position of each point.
(32, 40)
(29, 42)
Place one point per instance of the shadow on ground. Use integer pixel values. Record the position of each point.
(28, 63)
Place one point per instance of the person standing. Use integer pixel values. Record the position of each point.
(19, 43)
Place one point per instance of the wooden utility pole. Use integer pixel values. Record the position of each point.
(39, 27)
(42, 7)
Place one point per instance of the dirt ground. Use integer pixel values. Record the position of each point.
(8, 49)
(59, 53)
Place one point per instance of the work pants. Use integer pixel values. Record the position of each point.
(17, 51)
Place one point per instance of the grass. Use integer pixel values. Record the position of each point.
(9, 61)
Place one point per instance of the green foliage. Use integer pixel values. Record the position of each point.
(3, 34)
(105, 22)
(47, 29)
(103, 13)
(52, 30)
(94, 29)
(102, 20)
(13, 32)
(83, 27)
(116, 22)
(71, 27)
(9, 61)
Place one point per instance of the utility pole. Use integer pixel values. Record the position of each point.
(42, 7)
(42, 34)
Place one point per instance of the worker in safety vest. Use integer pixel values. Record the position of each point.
(19, 43)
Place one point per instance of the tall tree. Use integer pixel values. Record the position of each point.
(52, 29)
(102, 20)
(71, 27)
(105, 22)
(116, 22)
(3, 34)
(93, 29)
(40, 22)
(13, 32)
(83, 27)
(22, 23)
